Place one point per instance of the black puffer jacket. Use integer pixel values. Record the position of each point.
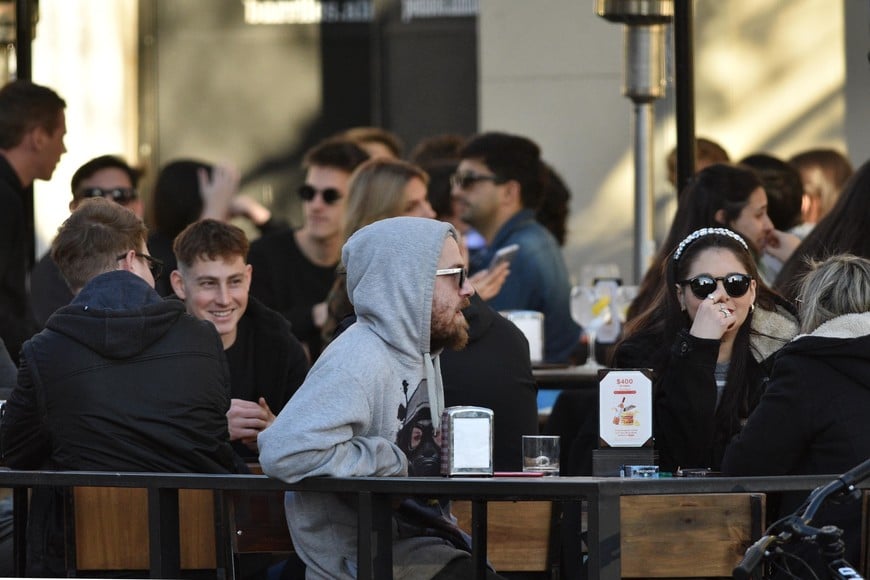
(120, 380)
(813, 417)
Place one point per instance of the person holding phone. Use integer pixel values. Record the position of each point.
(500, 182)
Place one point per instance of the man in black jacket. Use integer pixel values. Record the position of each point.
(119, 380)
(267, 363)
(32, 128)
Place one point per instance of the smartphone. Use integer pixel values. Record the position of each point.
(505, 254)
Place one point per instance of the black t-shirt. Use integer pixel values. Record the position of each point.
(286, 281)
(240, 357)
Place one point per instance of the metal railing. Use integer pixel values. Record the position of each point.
(374, 501)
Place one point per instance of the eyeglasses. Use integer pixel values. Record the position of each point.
(736, 285)
(466, 180)
(463, 274)
(154, 264)
(120, 195)
(330, 195)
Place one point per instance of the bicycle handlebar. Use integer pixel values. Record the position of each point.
(798, 524)
(753, 557)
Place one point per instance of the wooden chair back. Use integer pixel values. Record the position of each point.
(257, 520)
(518, 533)
(111, 528)
(258, 523)
(687, 536)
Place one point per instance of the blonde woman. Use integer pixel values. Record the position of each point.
(812, 418)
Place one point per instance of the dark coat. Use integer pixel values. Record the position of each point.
(812, 418)
(280, 362)
(16, 247)
(120, 380)
(494, 371)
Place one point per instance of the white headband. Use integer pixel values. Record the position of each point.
(708, 232)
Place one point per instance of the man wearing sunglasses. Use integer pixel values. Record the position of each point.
(119, 380)
(296, 268)
(374, 400)
(500, 182)
(106, 176)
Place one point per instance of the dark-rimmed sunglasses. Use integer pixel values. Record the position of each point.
(120, 195)
(330, 195)
(463, 274)
(736, 285)
(154, 264)
(466, 180)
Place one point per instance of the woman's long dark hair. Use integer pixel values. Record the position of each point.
(665, 318)
(717, 187)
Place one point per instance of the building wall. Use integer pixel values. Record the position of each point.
(769, 76)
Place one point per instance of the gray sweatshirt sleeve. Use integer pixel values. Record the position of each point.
(317, 435)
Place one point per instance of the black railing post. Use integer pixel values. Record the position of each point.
(165, 552)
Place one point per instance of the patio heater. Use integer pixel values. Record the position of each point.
(643, 82)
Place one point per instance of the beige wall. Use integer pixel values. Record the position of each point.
(769, 77)
(86, 51)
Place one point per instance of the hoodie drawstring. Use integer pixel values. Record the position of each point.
(434, 388)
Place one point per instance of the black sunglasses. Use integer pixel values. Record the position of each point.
(330, 195)
(463, 274)
(154, 264)
(736, 285)
(120, 195)
(466, 180)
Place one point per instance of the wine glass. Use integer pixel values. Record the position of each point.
(591, 273)
(590, 309)
(624, 296)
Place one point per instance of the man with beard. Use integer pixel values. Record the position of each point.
(373, 397)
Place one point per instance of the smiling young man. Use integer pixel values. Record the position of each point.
(296, 268)
(267, 363)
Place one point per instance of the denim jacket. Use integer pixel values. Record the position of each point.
(538, 281)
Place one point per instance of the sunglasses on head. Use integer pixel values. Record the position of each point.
(120, 195)
(330, 195)
(736, 285)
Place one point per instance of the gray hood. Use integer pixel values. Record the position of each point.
(396, 303)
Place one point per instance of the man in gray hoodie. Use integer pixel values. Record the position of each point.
(375, 384)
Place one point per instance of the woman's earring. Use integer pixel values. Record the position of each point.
(752, 307)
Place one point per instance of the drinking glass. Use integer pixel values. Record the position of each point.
(590, 309)
(541, 454)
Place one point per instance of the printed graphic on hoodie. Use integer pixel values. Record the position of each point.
(417, 436)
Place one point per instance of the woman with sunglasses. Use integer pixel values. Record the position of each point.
(720, 195)
(708, 336)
